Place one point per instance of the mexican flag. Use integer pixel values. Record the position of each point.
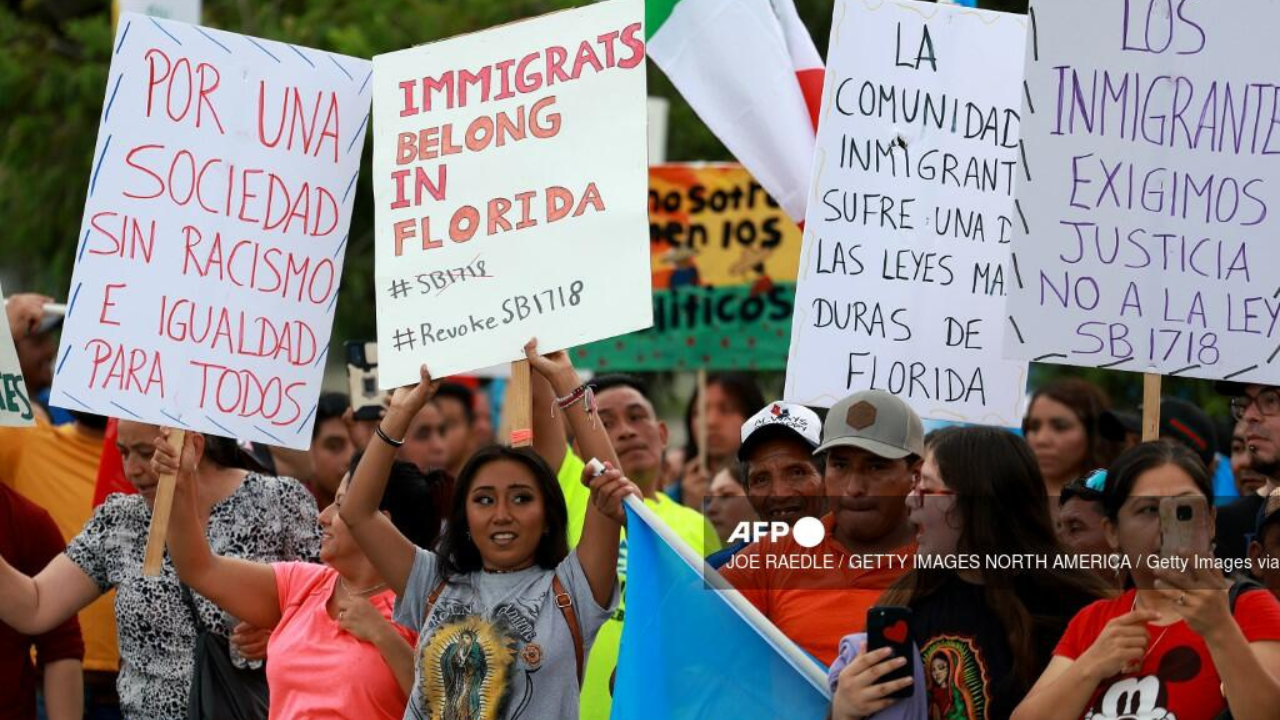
(751, 72)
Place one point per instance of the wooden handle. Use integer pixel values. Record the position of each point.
(702, 420)
(1150, 407)
(153, 561)
(519, 402)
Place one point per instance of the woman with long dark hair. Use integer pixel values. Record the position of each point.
(1175, 644)
(979, 492)
(506, 611)
(247, 514)
(1061, 427)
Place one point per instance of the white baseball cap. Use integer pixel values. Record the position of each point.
(777, 416)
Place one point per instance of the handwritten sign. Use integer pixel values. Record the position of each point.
(902, 277)
(214, 228)
(15, 402)
(1148, 187)
(723, 256)
(510, 180)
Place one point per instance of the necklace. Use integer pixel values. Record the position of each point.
(1158, 639)
(359, 593)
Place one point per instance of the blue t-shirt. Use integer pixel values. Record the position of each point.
(1224, 482)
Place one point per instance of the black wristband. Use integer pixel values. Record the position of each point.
(386, 438)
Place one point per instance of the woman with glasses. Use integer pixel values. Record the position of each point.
(980, 494)
(1175, 644)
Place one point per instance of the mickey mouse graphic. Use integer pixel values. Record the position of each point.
(1146, 698)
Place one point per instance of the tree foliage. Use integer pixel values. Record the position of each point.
(53, 72)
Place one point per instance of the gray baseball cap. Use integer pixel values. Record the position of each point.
(876, 421)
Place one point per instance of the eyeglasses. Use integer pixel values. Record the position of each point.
(1268, 402)
(918, 492)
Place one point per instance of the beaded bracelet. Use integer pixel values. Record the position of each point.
(574, 397)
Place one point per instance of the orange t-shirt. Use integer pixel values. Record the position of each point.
(815, 596)
(57, 468)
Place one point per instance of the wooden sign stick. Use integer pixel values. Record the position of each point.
(702, 420)
(1150, 407)
(153, 560)
(519, 403)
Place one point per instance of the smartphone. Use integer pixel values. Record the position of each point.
(1184, 525)
(891, 627)
(367, 401)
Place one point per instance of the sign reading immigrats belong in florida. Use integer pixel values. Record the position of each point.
(215, 222)
(510, 179)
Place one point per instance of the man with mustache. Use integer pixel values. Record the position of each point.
(1256, 409)
(778, 472)
(872, 448)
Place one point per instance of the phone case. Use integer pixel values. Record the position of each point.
(1184, 526)
(891, 627)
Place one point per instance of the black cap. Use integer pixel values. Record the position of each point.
(1179, 420)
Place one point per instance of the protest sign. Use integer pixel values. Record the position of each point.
(902, 277)
(15, 402)
(215, 222)
(723, 257)
(1146, 190)
(509, 179)
(187, 11)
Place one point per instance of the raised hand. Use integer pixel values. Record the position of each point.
(25, 311)
(410, 399)
(608, 489)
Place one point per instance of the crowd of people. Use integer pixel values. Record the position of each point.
(410, 566)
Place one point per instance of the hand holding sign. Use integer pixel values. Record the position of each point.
(25, 311)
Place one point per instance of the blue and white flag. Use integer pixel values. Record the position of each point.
(691, 651)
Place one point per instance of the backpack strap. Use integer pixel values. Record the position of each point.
(1239, 588)
(564, 601)
(432, 597)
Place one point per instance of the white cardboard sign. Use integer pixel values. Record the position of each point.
(15, 401)
(215, 221)
(902, 276)
(511, 186)
(1149, 189)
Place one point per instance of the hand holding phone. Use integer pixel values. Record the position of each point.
(891, 627)
(1184, 526)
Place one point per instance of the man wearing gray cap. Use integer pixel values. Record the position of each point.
(872, 448)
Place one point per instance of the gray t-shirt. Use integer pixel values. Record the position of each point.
(496, 647)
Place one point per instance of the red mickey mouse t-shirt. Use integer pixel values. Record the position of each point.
(1177, 677)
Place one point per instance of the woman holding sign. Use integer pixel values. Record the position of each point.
(507, 612)
(249, 515)
(1181, 642)
(333, 646)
